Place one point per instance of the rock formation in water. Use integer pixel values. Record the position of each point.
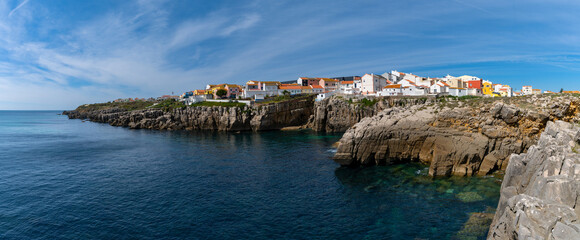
(337, 114)
(257, 118)
(461, 138)
(539, 194)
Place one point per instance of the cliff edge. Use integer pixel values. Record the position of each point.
(539, 194)
(463, 138)
(270, 116)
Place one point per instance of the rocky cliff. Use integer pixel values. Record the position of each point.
(257, 118)
(338, 114)
(539, 194)
(456, 138)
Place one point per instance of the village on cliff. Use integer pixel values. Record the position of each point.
(392, 83)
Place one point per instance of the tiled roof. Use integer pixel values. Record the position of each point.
(393, 86)
(316, 87)
(347, 82)
(290, 87)
(328, 79)
(270, 83)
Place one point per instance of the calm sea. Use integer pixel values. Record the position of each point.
(69, 179)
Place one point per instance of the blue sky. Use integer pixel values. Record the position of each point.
(59, 54)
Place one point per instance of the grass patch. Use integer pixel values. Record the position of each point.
(129, 106)
(219, 104)
(469, 97)
(368, 103)
(283, 98)
(169, 104)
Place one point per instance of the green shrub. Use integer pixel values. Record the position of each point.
(219, 104)
(129, 106)
(368, 103)
(169, 104)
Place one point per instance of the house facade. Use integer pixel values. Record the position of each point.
(415, 91)
(527, 90)
(328, 84)
(306, 81)
(372, 84)
(393, 90)
(439, 87)
(487, 89)
(458, 92)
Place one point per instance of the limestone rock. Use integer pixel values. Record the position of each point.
(461, 141)
(539, 194)
(258, 118)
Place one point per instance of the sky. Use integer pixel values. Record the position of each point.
(59, 54)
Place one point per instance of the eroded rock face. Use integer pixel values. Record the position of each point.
(266, 117)
(465, 140)
(337, 114)
(539, 194)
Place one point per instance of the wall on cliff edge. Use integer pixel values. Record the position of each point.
(257, 118)
(540, 190)
(464, 138)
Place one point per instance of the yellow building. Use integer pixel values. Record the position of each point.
(487, 89)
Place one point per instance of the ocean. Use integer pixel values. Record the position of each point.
(73, 179)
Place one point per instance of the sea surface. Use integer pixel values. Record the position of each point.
(70, 179)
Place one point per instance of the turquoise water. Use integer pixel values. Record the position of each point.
(69, 179)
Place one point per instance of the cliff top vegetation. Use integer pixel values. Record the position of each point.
(129, 106)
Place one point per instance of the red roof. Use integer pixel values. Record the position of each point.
(317, 86)
(290, 86)
(347, 82)
(393, 86)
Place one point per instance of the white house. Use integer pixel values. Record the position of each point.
(527, 90)
(392, 90)
(415, 91)
(394, 76)
(474, 92)
(412, 77)
(261, 88)
(347, 87)
(439, 87)
(322, 96)
(373, 84)
(458, 92)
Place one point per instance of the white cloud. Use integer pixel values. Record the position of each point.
(24, 2)
(141, 48)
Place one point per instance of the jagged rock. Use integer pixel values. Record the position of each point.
(258, 118)
(465, 141)
(539, 194)
(337, 114)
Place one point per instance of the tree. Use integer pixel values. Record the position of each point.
(286, 93)
(561, 90)
(221, 93)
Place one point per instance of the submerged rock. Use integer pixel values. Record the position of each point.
(476, 227)
(469, 197)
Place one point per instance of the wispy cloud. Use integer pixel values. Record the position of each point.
(24, 2)
(145, 48)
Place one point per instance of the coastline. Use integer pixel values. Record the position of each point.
(478, 135)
